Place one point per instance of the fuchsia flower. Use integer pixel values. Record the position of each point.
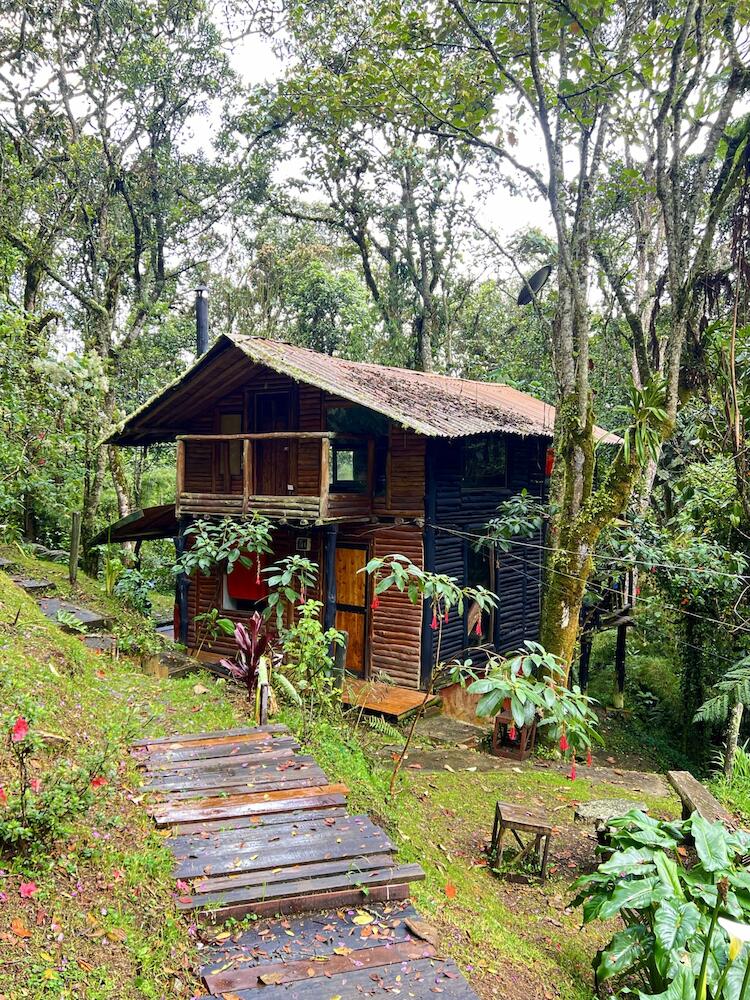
(375, 603)
(512, 733)
(573, 770)
(35, 785)
(588, 758)
(98, 782)
(478, 626)
(564, 745)
(446, 616)
(3, 797)
(20, 730)
(27, 889)
(434, 620)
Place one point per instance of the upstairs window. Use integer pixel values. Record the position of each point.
(348, 469)
(485, 463)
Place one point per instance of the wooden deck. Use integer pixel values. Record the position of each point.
(388, 699)
(256, 828)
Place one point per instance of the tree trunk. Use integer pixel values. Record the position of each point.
(732, 737)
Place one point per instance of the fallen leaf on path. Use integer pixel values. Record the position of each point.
(19, 928)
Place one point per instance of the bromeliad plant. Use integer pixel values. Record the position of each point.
(532, 684)
(684, 921)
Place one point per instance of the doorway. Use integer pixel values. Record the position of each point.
(352, 604)
(272, 457)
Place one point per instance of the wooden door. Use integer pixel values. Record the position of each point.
(272, 457)
(351, 604)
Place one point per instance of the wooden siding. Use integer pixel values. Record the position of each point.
(458, 508)
(405, 484)
(397, 624)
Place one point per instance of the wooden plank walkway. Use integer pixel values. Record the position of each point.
(256, 828)
(387, 699)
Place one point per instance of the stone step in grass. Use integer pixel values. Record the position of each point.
(50, 606)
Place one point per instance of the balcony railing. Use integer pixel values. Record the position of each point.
(224, 474)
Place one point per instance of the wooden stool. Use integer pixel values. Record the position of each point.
(503, 746)
(517, 819)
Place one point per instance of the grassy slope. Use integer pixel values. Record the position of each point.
(514, 941)
(103, 922)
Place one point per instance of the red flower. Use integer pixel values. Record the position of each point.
(98, 782)
(478, 626)
(512, 733)
(588, 759)
(434, 619)
(27, 889)
(445, 617)
(564, 745)
(35, 785)
(20, 730)
(573, 770)
(3, 797)
(375, 603)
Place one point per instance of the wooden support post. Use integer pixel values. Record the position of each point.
(180, 485)
(325, 465)
(75, 544)
(329, 607)
(247, 474)
(182, 585)
(622, 635)
(430, 510)
(583, 663)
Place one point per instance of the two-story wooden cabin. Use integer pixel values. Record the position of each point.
(352, 460)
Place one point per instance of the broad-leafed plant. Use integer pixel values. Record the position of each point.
(674, 905)
(225, 543)
(252, 646)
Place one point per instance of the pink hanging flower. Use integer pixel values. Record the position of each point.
(20, 730)
(445, 616)
(3, 797)
(573, 770)
(588, 758)
(257, 569)
(434, 620)
(35, 785)
(375, 603)
(564, 745)
(478, 626)
(512, 733)
(27, 889)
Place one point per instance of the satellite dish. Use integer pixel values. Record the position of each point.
(535, 283)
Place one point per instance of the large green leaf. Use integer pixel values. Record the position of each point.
(710, 843)
(634, 859)
(735, 976)
(674, 924)
(669, 873)
(633, 895)
(682, 987)
(628, 948)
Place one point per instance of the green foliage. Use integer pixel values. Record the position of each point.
(521, 516)
(534, 682)
(224, 543)
(671, 944)
(732, 689)
(289, 580)
(134, 589)
(306, 675)
(70, 620)
(647, 417)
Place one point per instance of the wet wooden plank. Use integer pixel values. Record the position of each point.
(420, 979)
(270, 837)
(388, 699)
(158, 767)
(226, 748)
(249, 805)
(218, 777)
(252, 859)
(241, 826)
(303, 904)
(210, 789)
(213, 734)
(293, 972)
(314, 869)
(395, 874)
(328, 805)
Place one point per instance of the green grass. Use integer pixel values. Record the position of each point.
(513, 940)
(103, 922)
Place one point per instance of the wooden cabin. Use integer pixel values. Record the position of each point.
(352, 460)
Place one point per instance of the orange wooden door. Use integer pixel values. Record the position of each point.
(351, 605)
(272, 472)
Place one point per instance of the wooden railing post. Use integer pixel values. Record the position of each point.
(325, 465)
(247, 473)
(180, 487)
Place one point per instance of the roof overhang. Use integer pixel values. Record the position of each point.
(141, 525)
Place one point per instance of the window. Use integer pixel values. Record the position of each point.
(348, 469)
(485, 463)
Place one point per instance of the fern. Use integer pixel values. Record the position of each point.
(732, 689)
(384, 728)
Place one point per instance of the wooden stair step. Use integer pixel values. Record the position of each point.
(213, 734)
(211, 789)
(222, 748)
(269, 756)
(300, 870)
(252, 804)
(331, 805)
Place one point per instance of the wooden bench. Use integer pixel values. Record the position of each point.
(517, 819)
(695, 797)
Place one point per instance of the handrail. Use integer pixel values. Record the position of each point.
(278, 435)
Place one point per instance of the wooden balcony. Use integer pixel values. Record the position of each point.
(280, 474)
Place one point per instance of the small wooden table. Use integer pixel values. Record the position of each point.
(519, 820)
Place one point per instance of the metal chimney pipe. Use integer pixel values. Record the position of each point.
(201, 320)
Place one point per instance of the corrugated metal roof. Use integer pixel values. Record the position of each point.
(434, 405)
